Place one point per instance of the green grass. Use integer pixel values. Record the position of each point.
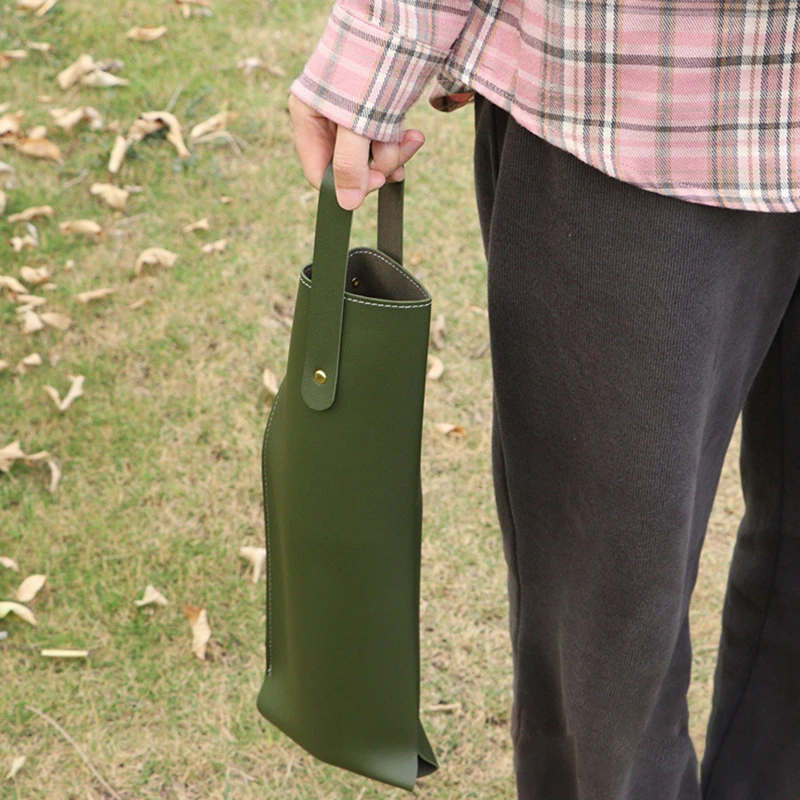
(160, 458)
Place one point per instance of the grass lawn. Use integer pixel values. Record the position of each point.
(160, 456)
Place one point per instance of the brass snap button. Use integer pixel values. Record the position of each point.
(320, 377)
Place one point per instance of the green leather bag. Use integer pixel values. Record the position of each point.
(343, 505)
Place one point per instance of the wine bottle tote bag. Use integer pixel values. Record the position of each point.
(343, 505)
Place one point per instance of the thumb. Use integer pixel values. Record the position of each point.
(352, 174)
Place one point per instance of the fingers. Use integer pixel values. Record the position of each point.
(318, 140)
(314, 139)
(351, 169)
(389, 157)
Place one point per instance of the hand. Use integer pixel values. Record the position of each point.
(318, 139)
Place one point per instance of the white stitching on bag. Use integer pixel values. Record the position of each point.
(269, 554)
(307, 283)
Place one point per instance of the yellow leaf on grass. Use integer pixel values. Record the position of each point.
(94, 294)
(4, 364)
(8, 455)
(65, 653)
(33, 360)
(16, 766)
(41, 47)
(151, 595)
(67, 119)
(154, 257)
(56, 320)
(450, 430)
(201, 225)
(12, 284)
(201, 631)
(23, 612)
(32, 213)
(38, 148)
(3, 201)
(111, 195)
(438, 332)
(20, 243)
(270, 382)
(174, 134)
(74, 72)
(214, 247)
(8, 57)
(212, 125)
(99, 79)
(75, 391)
(9, 563)
(33, 277)
(55, 475)
(257, 556)
(11, 125)
(117, 154)
(84, 227)
(29, 588)
(146, 33)
(31, 300)
(31, 322)
(435, 368)
(140, 303)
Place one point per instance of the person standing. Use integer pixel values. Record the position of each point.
(637, 169)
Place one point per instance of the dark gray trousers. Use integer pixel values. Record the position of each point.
(628, 331)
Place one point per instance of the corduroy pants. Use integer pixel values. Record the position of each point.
(628, 331)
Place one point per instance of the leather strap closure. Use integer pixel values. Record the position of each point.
(328, 277)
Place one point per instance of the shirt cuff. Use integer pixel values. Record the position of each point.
(366, 78)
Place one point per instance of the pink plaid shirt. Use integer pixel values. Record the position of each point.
(698, 99)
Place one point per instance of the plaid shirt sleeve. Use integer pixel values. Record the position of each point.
(375, 58)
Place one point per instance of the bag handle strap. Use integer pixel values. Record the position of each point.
(328, 277)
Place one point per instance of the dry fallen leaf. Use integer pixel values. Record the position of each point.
(32, 213)
(112, 195)
(75, 391)
(65, 653)
(218, 122)
(146, 33)
(31, 322)
(257, 556)
(31, 300)
(33, 277)
(38, 147)
(67, 120)
(3, 201)
(9, 563)
(94, 294)
(201, 225)
(29, 588)
(214, 247)
(151, 595)
(33, 360)
(56, 320)
(12, 284)
(16, 766)
(74, 72)
(8, 57)
(85, 227)
(8, 455)
(4, 364)
(170, 121)
(201, 631)
(140, 303)
(23, 612)
(20, 243)
(41, 47)
(438, 332)
(55, 475)
(435, 368)
(154, 257)
(117, 154)
(450, 430)
(270, 382)
(98, 79)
